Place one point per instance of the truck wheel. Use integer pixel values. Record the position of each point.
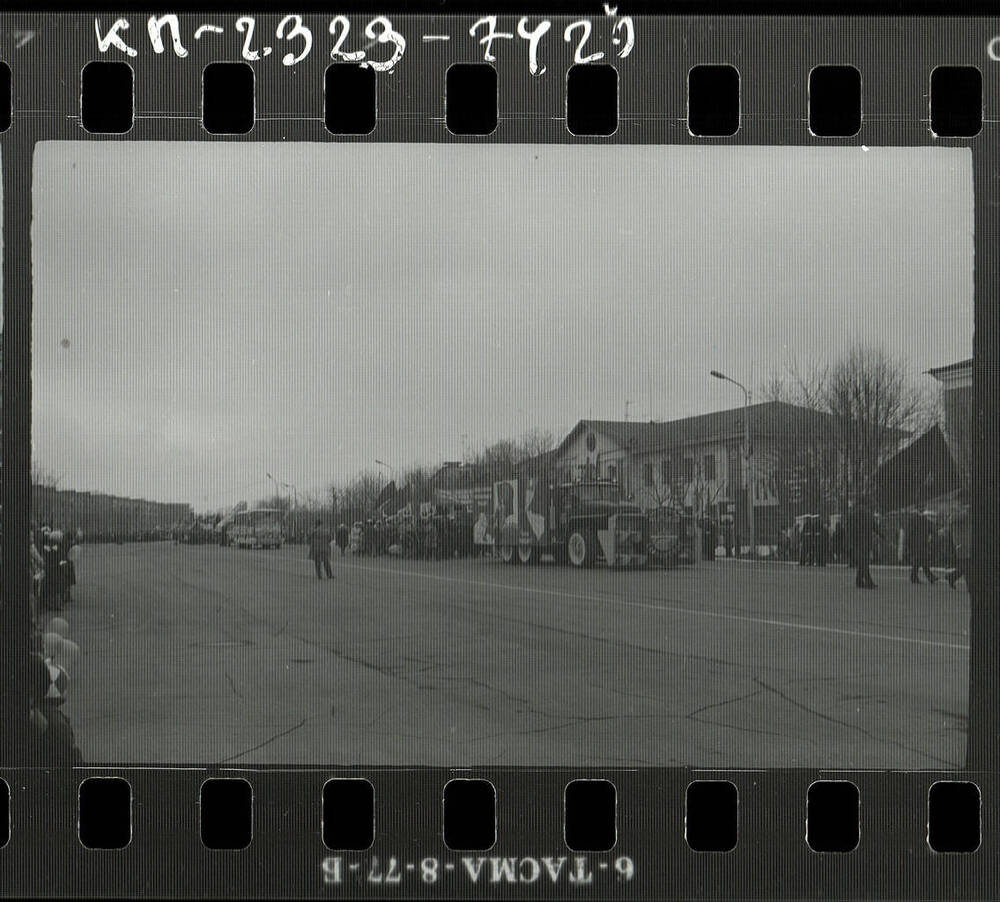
(528, 554)
(508, 554)
(581, 549)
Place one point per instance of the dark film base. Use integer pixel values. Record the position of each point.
(759, 834)
(118, 831)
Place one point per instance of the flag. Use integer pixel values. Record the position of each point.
(920, 472)
(387, 494)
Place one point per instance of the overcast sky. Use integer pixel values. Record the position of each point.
(207, 313)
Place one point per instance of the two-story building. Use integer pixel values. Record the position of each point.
(698, 463)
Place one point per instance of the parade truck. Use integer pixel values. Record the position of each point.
(580, 523)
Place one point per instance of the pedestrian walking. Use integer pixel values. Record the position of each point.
(342, 538)
(728, 537)
(319, 550)
(822, 538)
(430, 540)
(861, 531)
(805, 542)
(837, 543)
(917, 546)
(960, 531)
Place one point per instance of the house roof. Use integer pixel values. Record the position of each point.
(950, 368)
(767, 419)
(920, 472)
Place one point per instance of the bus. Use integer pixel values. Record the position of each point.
(262, 528)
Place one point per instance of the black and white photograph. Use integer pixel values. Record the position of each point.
(510, 454)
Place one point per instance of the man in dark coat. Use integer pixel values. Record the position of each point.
(860, 532)
(727, 537)
(319, 550)
(917, 546)
(343, 537)
(837, 543)
(822, 540)
(960, 530)
(805, 542)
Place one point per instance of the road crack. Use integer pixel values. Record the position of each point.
(267, 741)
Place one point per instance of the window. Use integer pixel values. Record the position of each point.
(665, 469)
(688, 469)
(708, 467)
(647, 474)
(612, 472)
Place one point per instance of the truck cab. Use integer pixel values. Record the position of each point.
(593, 520)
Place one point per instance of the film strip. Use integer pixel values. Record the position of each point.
(451, 312)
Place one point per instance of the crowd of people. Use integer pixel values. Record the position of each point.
(918, 539)
(437, 536)
(55, 554)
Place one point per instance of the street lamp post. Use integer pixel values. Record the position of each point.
(747, 451)
(296, 526)
(277, 494)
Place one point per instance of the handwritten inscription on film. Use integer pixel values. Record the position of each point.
(378, 44)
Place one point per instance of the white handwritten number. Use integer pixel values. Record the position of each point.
(429, 870)
(393, 875)
(533, 37)
(246, 23)
(491, 35)
(298, 31)
(112, 38)
(385, 36)
(578, 56)
(625, 868)
(332, 870)
(993, 49)
(350, 55)
(624, 23)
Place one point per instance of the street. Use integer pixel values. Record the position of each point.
(205, 655)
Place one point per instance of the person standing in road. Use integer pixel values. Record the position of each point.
(319, 550)
(917, 546)
(822, 538)
(342, 538)
(860, 532)
(837, 543)
(805, 542)
(430, 540)
(960, 530)
(727, 537)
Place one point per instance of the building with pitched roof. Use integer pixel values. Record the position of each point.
(697, 463)
(956, 397)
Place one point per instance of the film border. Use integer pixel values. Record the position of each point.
(774, 56)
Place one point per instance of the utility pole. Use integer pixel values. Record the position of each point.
(747, 453)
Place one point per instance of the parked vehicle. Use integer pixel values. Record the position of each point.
(582, 523)
(261, 528)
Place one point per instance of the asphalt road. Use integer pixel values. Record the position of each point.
(205, 655)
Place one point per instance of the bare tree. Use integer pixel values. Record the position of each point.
(874, 405)
(865, 406)
(702, 493)
(537, 441)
